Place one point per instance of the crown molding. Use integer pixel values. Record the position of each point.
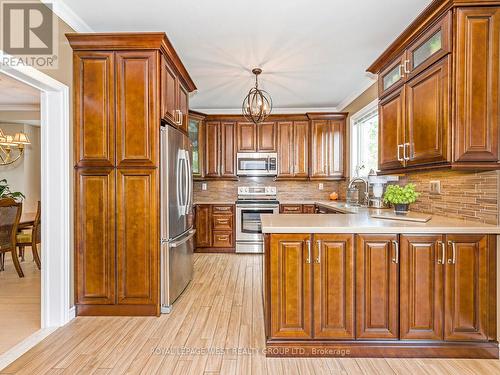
(65, 13)
(350, 98)
(20, 107)
(275, 111)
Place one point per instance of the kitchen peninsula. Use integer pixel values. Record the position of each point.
(365, 287)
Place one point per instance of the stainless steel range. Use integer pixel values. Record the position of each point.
(251, 203)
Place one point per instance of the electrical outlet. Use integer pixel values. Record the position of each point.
(321, 186)
(204, 186)
(435, 187)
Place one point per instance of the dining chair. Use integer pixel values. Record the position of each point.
(31, 238)
(10, 214)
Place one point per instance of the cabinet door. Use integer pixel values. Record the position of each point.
(427, 115)
(169, 94)
(333, 286)
(95, 236)
(421, 287)
(391, 131)
(183, 108)
(308, 209)
(228, 149)
(377, 287)
(290, 286)
(285, 149)
(212, 149)
(391, 77)
(196, 136)
(290, 208)
(137, 117)
(94, 108)
(477, 68)
(466, 288)
(266, 137)
(301, 149)
(137, 237)
(203, 226)
(247, 137)
(327, 148)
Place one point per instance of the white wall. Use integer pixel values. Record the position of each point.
(24, 174)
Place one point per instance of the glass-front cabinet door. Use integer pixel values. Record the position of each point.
(430, 47)
(195, 129)
(391, 77)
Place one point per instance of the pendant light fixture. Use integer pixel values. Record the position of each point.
(258, 104)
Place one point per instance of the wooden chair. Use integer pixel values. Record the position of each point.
(31, 238)
(10, 214)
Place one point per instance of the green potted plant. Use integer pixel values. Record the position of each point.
(400, 197)
(6, 193)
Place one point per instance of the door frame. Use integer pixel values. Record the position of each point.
(55, 195)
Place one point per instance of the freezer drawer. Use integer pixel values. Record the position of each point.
(176, 268)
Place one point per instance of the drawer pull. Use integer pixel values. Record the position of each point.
(443, 252)
(396, 250)
(453, 259)
(308, 259)
(223, 238)
(222, 208)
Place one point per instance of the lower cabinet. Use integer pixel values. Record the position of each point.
(294, 259)
(436, 288)
(215, 227)
(297, 208)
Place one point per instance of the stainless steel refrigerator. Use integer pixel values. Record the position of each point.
(177, 242)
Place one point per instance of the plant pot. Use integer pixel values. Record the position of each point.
(401, 208)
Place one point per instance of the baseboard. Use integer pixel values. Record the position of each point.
(72, 313)
(17, 351)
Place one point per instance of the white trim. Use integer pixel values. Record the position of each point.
(363, 111)
(369, 81)
(55, 194)
(20, 107)
(72, 313)
(16, 351)
(275, 111)
(64, 12)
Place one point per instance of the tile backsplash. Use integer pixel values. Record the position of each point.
(464, 195)
(288, 191)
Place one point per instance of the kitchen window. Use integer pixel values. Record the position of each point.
(364, 140)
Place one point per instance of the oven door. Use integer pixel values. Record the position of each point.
(248, 224)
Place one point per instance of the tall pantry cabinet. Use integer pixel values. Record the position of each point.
(124, 85)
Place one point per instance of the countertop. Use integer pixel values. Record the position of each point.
(358, 220)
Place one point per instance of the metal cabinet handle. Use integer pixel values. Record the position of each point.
(396, 252)
(399, 153)
(443, 252)
(453, 259)
(407, 70)
(308, 259)
(406, 155)
(318, 259)
(179, 115)
(222, 208)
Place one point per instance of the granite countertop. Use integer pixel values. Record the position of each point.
(359, 220)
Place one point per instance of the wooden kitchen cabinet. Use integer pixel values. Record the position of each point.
(298, 208)
(291, 286)
(333, 290)
(220, 149)
(212, 149)
(469, 288)
(445, 65)
(421, 287)
(308, 208)
(196, 133)
(266, 137)
(327, 146)
(203, 225)
(228, 149)
(247, 137)
(377, 287)
(256, 138)
(124, 85)
(293, 149)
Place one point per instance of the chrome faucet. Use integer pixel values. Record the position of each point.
(366, 193)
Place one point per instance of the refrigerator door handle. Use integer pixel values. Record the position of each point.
(189, 182)
(184, 240)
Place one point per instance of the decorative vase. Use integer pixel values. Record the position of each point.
(401, 208)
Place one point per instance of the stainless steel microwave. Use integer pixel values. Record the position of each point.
(257, 164)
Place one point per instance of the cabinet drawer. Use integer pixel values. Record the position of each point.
(308, 209)
(222, 222)
(291, 209)
(227, 209)
(222, 239)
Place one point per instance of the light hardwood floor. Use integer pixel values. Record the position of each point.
(221, 308)
(19, 302)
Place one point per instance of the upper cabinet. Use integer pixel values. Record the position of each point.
(220, 149)
(327, 146)
(293, 149)
(197, 137)
(438, 88)
(256, 138)
(174, 98)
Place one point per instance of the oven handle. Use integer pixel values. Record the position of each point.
(257, 209)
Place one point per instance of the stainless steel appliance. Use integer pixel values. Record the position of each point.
(176, 216)
(251, 203)
(257, 164)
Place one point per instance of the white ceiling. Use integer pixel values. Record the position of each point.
(16, 95)
(313, 52)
